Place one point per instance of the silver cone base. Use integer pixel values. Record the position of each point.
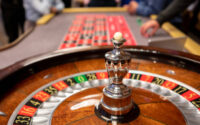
(130, 116)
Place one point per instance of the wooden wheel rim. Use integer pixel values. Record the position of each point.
(156, 88)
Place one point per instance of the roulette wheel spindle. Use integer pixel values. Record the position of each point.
(117, 103)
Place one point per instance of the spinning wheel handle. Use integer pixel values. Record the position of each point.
(117, 61)
(117, 103)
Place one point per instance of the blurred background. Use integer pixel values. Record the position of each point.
(190, 24)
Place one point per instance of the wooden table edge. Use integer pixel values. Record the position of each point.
(46, 18)
(18, 40)
(192, 46)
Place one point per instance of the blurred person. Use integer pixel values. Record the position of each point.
(190, 17)
(37, 8)
(175, 8)
(101, 3)
(126, 2)
(147, 7)
(67, 3)
(13, 18)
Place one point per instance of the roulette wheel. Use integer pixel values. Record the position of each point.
(141, 85)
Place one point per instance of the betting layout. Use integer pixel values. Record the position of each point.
(96, 30)
(26, 112)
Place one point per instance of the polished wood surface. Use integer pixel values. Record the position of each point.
(40, 72)
(79, 109)
(119, 103)
(21, 90)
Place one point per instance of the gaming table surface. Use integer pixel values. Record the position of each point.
(47, 38)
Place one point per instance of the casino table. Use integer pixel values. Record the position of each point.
(52, 29)
(63, 86)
